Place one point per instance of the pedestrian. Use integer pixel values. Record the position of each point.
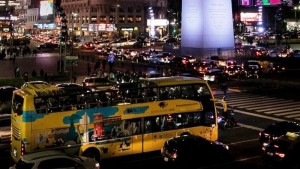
(42, 73)
(17, 71)
(224, 88)
(133, 69)
(88, 69)
(104, 64)
(25, 76)
(97, 66)
(46, 77)
(14, 59)
(74, 77)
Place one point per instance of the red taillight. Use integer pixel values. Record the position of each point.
(23, 150)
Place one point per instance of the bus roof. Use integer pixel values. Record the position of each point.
(174, 80)
(39, 89)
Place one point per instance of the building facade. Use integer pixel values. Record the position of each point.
(117, 18)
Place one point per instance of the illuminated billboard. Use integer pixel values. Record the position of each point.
(207, 24)
(273, 2)
(250, 17)
(46, 8)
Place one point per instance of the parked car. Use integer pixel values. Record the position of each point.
(283, 152)
(276, 130)
(193, 150)
(98, 83)
(216, 75)
(54, 159)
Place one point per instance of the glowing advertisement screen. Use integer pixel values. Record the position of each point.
(207, 24)
(46, 8)
(273, 2)
(245, 2)
(250, 17)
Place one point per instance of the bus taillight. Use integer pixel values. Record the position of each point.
(23, 151)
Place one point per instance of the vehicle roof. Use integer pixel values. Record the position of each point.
(38, 89)
(174, 80)
(7, 87)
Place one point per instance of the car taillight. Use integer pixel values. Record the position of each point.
(173, 155)
(281, 155)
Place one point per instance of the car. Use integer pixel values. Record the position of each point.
(88, 45)
(47, 45)
(276, 67)
(54, 159)
(6, 93)
(276, 130)
(235, 71)
(283, 152)
(192, 149)
(188, 73)
(183, 61)
(139, 44)
(159, 59)
(130, 42)
(259, 52)
(216, 75)
(253, 68)
(98, 83)
(74, 88)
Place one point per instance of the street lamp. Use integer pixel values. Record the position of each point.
(296, 8)
(74, 15)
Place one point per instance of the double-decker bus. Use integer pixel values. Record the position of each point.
(122, 121)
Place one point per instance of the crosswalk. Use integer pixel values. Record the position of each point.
(277, 107)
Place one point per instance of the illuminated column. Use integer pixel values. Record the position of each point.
(260, 20)
(207, 28)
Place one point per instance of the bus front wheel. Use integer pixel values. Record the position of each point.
(92, 153)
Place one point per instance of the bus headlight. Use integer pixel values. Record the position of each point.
(15, 152)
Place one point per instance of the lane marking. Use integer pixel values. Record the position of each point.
(245, 141)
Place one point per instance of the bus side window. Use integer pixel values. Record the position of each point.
(168, 123)
(148, 126)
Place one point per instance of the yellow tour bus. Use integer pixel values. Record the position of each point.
(125, 120)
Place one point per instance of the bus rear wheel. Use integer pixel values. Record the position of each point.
(92, 153)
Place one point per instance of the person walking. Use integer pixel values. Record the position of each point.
(14, 59)
(17, 71)
(74, 77)
(88, 69)
(224, 88)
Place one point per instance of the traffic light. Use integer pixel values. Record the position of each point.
(63, 21)
(64, 28)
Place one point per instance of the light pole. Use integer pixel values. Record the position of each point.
(296, 9)
(73, 32)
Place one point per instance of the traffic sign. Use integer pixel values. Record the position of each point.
(71, 60)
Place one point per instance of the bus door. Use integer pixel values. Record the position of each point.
(156, 133)
(127, 139)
